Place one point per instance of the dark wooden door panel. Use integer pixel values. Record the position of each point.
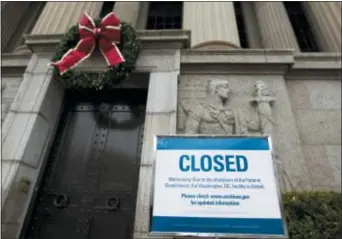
(103, 223)
(89, 186)
(70, 167)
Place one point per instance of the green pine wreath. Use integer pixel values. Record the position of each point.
(74, 79)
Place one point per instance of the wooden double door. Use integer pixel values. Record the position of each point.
(89, 185)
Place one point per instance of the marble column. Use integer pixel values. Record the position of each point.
(11, 16)
(275, 26)
(212, 24)
(143, 15)
(27, 23)
(127, 11)
(57, 17)
(325, 21)
(253, 34)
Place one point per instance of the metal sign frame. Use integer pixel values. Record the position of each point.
(219, 235)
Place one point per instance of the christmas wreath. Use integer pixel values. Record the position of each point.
(96, 35)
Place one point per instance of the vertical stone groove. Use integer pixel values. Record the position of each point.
(275, 26)
(143, 15)
(127, 11)
(325, 21)
(57, 17)
(11, 14)
(211, 22)
(253, 35)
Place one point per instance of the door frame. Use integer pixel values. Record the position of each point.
(41, 171)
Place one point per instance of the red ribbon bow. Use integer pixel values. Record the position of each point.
(107, 35)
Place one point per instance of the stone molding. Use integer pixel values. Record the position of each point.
(318, 60)
(236, 61)
(316, 65)
(14, 64)
(261, 61)
(160, 50)
(222, 56)
(160, 39)
(150, 60)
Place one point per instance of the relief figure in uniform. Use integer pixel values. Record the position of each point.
(214, 117)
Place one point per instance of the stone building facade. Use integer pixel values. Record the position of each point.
(280, 64)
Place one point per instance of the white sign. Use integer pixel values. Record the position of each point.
(216, 185)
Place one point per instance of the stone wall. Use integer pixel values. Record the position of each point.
(316, 104)
(9, 88)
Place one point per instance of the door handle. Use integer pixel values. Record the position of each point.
(60, 200)
(112, 203)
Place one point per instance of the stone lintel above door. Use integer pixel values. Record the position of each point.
(158, 39)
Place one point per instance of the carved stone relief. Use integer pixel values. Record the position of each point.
(213, 115)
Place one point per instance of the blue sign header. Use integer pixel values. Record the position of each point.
(201, 143)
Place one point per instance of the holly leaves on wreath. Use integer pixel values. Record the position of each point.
(129, 47)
